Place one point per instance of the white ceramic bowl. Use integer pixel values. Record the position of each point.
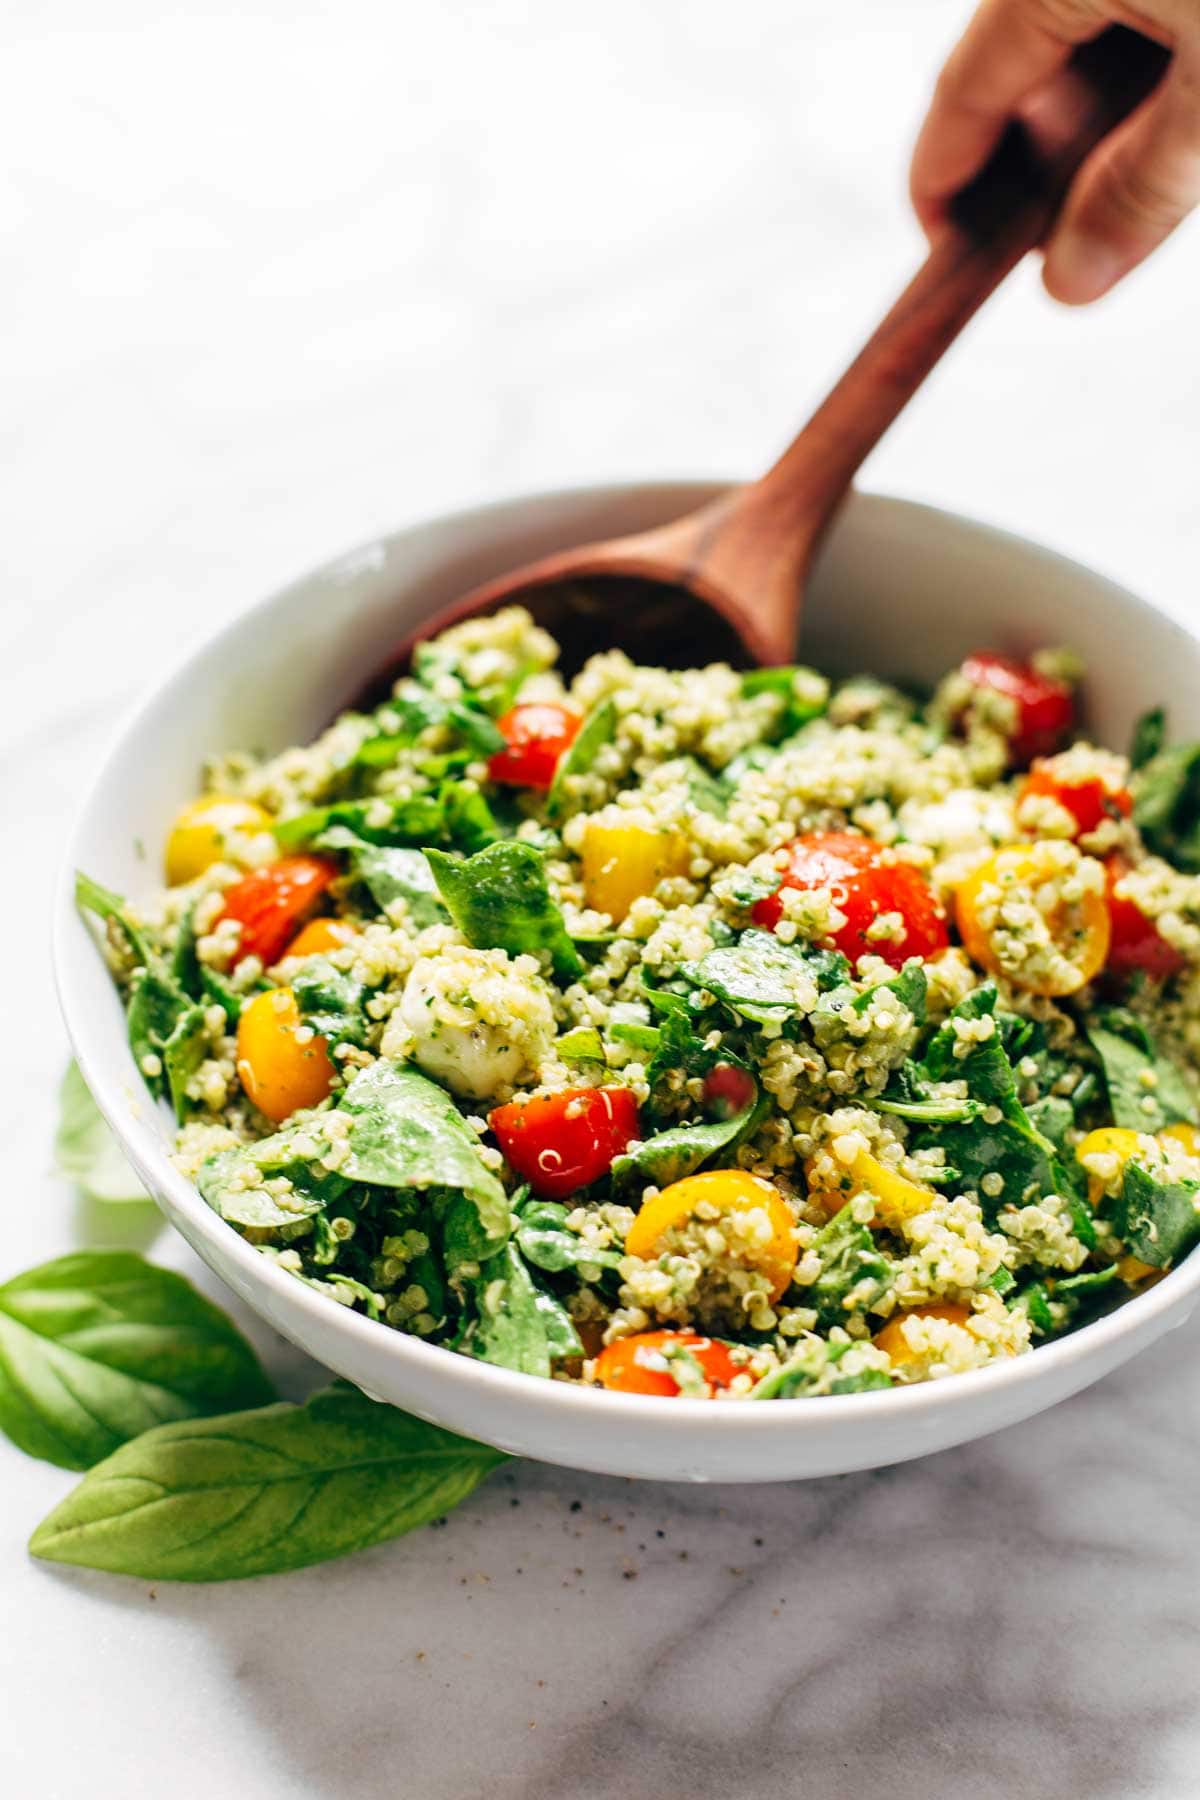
(902, 590)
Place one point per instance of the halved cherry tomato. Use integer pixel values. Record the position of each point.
(893, 1340)
(865, 885)
(623, 862)
(1137, 942)
(271, 903)
(638, 1365)
(319, 937)
(537, 733)
(1045, 708)
(727, 1089)
(561, 1142)
(1088, 800)
(1077, 934)
(280, 1070)
(720, 1191)
(208, 831)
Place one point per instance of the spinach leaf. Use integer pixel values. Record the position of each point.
(390, 872)
(499, 899)
(1158, 1220)
(164, 1023)
(519, 1325)
(408, 1133)
(583, 1045)
(1149, 736)
(1166, 805)
(98, 1346)
(256, 1493)
(1052, 1117)
(862, 1383)
(799, 707)
(470, 822)
(86, 1151)
(704, 790)
(1145, 1091)
(758, 978)
(854, 1275)
(598, 729)
(332, 1002)
(670, 1155)
(91, 897)
(231, 1181)
(838, 1005)
(404, 718)
(1075, 1294)
(186, 970)
(218, 990)
(546, 1241)
(419, 820)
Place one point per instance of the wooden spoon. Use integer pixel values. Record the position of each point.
(727, 582)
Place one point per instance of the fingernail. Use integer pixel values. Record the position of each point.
(1080, 268)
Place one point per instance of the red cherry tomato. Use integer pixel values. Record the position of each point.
(537, 733)
(727, 1089)
(561, 1142)
(1045, 708)
(636, 1365)
(271, 903)
(863, 885)
(1136, 940)
(1089, 800)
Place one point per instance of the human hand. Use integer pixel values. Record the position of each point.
(1136, 185)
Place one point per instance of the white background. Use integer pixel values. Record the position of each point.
(275, 278)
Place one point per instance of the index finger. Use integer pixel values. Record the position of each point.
(1009, 49)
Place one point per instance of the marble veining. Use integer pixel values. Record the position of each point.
(275, 279)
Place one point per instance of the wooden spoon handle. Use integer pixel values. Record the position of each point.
(1003, 213)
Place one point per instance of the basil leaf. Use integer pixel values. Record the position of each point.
(1149, 735)
(1145, 1091)
(519, 1325)
(86, 1151)
(670, 1155)
(598, 729)
(389, 872)
(854, 1275)
(583, 1045)
(1166, 805)
(99, 1346)
(257, 1493)
(499, 899)
(407, 1133)
(1158, 1220)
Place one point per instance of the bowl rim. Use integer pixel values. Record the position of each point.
(664, 1413)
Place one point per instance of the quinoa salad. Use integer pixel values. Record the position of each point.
(702, 1033)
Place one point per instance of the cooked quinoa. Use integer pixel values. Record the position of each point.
(688, 1032)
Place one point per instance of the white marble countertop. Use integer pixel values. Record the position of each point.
(281, 275)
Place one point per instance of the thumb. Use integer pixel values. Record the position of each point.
(1132, 192)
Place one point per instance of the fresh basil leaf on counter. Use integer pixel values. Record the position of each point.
(99, 1346)
(499, 899)
(261, 1492)
(85, 1150)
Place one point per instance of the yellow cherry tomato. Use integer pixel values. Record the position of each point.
(319, 937)
(1109, 1140)
(893, 1340)
(1186, 1135)
(280, 1068)
(623, 862)
(206, 832)
(1077, 934)
(896, 1198)
(727, 1190)
(1133, 1270)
